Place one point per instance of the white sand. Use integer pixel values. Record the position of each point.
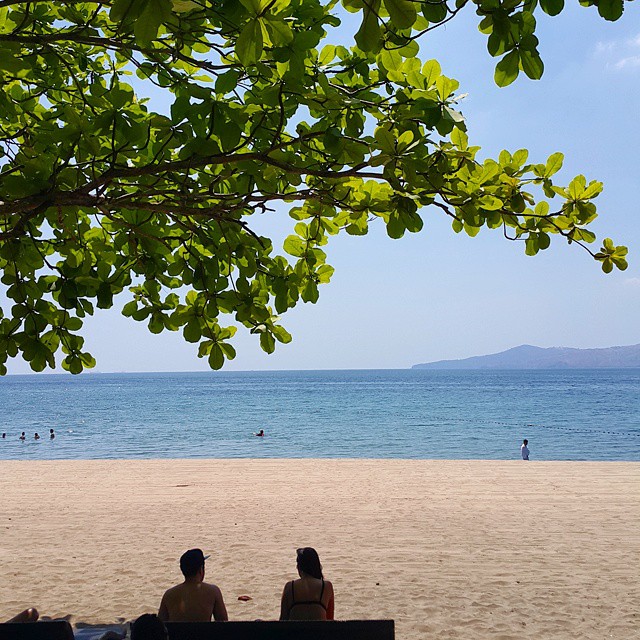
(449, 549)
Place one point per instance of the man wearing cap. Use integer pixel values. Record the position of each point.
(193, 600)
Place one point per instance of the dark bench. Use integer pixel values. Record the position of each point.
(291, 630)
(50, 630)
(272, 630)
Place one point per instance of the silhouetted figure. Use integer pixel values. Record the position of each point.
(260, 433)
(148, 627)
(28, 615)
(23, 437)
(36, 436)
(52, 436)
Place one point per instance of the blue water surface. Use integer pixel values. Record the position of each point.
(566, 415)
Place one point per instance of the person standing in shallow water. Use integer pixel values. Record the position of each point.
(23, 437)
(524, 449)
(51, 434)
(36, 436)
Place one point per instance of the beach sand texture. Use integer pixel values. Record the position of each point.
(449, 549)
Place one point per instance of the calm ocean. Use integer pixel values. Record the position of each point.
(566, 415)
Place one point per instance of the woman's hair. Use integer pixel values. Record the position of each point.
(309, 562)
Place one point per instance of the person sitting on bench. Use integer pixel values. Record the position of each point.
(149, 627)
(311, 596)
(193, 600)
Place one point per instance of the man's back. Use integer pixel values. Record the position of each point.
(192, 602)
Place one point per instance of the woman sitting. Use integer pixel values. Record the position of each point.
(311, 596)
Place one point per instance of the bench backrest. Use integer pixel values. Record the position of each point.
(290, 630)
(50, 630)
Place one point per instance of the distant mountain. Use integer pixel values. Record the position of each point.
(528, 357)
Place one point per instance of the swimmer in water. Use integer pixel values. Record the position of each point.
(51, 434)
(23, 437)
(260, 433)
(4, 435)
(36, 436)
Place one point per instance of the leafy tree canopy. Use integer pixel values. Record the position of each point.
(99, 194)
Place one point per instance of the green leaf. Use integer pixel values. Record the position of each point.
(279, 31)
(184, 6)
(327, 55)
(577, 187)
(369, 36)
(281, 334)
(544, 241)
(267, 342)
(216, 357)
(124, 8)
(554, 164)
(431, 71)
(402, 12)
(531, 64)
(249, 43)
(610, 9)
(228, 350)
(532, 244)
(227, 81)
(310, 292)
(507, 69)
(434, 11)
(552, 7)
(295, 246)
(191, 331)
(148, 22)
(593, 190)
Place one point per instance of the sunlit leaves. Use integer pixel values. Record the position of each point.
(611, 255)
(249, 44)
(507, 69)
(402, 12)
(101, 198)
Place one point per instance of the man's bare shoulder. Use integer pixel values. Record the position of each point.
(213, 589)
(173, 590)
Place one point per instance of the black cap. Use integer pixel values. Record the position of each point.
(191, 561)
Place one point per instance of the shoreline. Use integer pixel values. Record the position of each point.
(447, 548)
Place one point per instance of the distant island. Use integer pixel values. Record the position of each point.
(529, 357)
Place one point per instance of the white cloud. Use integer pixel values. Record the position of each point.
(621, 55)
(632, 282)
(631, 61)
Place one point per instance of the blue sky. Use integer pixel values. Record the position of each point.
(437, 295)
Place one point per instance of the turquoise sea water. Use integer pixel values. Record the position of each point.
(566, 415)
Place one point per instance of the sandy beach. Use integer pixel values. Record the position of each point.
(449, 549)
